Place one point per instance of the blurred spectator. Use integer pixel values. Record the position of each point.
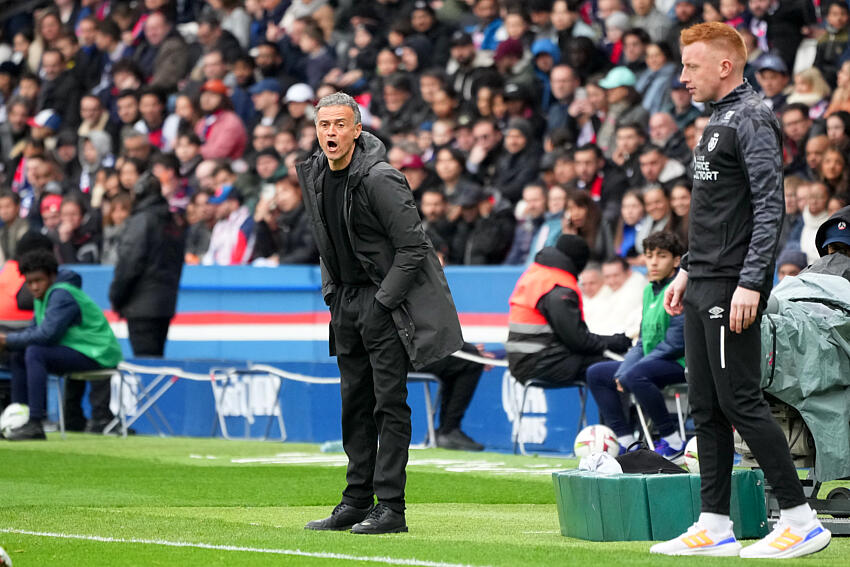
(556, 204)
(841, 94)
(628, 142)
(200, 216)
(483, 229)
(630, 224)
(232, 238)
(59, 88)
(834, 172)
(790, 263)
(656, 168)
(114, 225)
(811, 89)
(658, 211)
(680, 205)
(517, 165)
(772, 76)
(13, 227)
(533, 207)
(583, 217)
(95, 153)
(604, 183)
(78, 232)
(147, 275)
(816, 147)
(283, 234)
(655, 83)
(624, 106)
(486, 152)
(418, 177)
(166, 168)
(833, 43)
(796, 125)
(163, 54)
(221, 130)
(814, 215)
(684, 112)
(437, 226)
(624, 302)
(646, 16)
(664, 133)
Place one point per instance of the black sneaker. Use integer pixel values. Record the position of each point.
(30, 431)
(342, 518)
(458, 441)
(382, 520)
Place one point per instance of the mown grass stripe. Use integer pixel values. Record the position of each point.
(215, 547)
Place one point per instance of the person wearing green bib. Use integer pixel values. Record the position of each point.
(656, 361)
(70, 334)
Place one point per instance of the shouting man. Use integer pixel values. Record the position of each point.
(390, 308)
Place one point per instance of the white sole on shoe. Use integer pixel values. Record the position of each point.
(815, 544)
(724, 550)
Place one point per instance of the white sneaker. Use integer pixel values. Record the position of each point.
(700, 541)
(786, 541)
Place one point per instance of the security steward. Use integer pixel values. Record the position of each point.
(547, 336)
(390, 308)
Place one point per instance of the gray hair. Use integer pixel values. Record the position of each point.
(339, 99)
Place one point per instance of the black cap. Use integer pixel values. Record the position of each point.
(460, 37)
(270, 151)
(575, 248)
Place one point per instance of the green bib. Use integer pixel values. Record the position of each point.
(93, 337)
(655, 321)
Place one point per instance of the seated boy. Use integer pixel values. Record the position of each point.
(656, 361)
(70, 334)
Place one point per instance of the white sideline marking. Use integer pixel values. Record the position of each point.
(295, 552)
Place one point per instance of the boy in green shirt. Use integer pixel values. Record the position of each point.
(656, 361)
(70, 334)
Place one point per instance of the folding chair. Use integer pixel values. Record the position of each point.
(547, 385)
(92, 376)
(426, 379)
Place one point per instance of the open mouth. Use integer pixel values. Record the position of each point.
(332, 145)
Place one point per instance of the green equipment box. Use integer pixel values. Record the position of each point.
(650, 507)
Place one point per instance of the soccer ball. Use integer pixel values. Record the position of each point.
(4, 558)
(13, 417)
(596, 439)
(691, 456)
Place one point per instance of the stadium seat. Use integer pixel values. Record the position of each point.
(92, 376)
(548, 385)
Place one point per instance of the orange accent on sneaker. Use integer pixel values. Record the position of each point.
(698, 539)
(786, 540)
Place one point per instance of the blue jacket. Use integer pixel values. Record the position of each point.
(62, 312)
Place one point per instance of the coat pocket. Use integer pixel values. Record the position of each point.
(404, 324)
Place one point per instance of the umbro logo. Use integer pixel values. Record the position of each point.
(715, 312)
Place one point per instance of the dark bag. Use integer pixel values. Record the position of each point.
(647, 462)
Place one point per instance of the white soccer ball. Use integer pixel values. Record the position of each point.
(691, 456)
(596, 439)
(4, 558)
(13, 417)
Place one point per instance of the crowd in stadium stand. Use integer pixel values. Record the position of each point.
(514, 122)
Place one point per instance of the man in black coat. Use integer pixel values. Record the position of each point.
(390, 308)
(147, 276)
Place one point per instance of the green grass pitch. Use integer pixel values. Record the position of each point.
(89, 501)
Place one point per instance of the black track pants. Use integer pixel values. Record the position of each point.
(724, 375)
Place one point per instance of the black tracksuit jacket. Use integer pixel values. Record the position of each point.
(738, 202)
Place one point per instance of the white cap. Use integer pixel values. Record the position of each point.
(299, 92)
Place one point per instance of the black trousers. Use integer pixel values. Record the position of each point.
(373, 366)
(458, 380)
(724, 376)
(100, 392)
(147, 335)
